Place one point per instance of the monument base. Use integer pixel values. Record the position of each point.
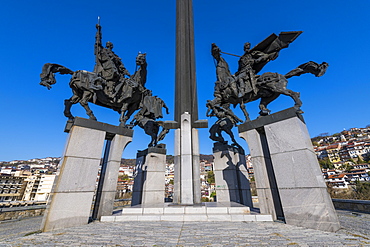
(73, 191)
(289, 182)
(149, 183)
(209, 211)
(231, 175)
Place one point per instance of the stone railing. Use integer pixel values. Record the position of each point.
(13, 210)
(352, 205)
(18, 212)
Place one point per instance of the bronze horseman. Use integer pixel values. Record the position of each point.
(246, 85)
(107, 86)
(111, 85)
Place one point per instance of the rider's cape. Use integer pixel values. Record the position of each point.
(153, 105)
(273, 44)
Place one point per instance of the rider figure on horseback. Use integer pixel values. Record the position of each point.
(108, 65)
(246, 75)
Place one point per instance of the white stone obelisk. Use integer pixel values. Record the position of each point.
(187, 170)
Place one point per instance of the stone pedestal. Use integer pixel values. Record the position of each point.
(107, 188)
(289, 182)
(231, 175)
(71, 199)
(149, 183)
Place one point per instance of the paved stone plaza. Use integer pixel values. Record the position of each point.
(355, 231)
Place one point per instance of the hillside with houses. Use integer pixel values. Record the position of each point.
(343, 157)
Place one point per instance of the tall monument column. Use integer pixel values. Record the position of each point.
(187, 169)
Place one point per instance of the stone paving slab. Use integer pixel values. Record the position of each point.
(354, 233)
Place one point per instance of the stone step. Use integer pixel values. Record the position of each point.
(207, 212)
(186, 217)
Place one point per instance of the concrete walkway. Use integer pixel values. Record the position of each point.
(355, 232)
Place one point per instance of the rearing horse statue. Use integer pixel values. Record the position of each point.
(246, 86)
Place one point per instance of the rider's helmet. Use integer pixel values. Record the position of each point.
(109, 45)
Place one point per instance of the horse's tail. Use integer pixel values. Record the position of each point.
(309, 67)
(47, 75)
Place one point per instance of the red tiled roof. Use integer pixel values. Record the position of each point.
(336, 176)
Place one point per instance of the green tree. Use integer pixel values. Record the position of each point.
(362, 191)
(326, 164)
(359, 160)
(210, 177)
(346, 167)
(124, 177)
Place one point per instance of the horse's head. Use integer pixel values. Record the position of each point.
(45, 84)
(141, 59)
(47, 81)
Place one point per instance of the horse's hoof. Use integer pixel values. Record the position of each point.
(71, 120)
(264, 112)
(93, 118)
(299, 111)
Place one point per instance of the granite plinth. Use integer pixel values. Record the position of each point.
(71, 198)
(74, 188)
(288, 177)
(231, 175)
(109, 175)
(110, 130)
(149, 183)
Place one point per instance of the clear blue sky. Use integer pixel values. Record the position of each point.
(38, 32)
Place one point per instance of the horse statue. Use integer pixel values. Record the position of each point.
(246, 86)
(146, 118)
(91, 87)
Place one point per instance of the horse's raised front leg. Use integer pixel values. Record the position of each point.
(84, 103)
(264, 102)
(244, 110)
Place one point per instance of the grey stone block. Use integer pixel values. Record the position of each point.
(73, 191)
(195, 210)
(67, 210)
(263, 218)
(84, 143)
(108, 219)
(126, 211)
(176, 217)
(299, 170)
(77, 174)
(231, 176)
(220, 217)
(217, 210)
(192, 217)
(174, 210)
(287, 174)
